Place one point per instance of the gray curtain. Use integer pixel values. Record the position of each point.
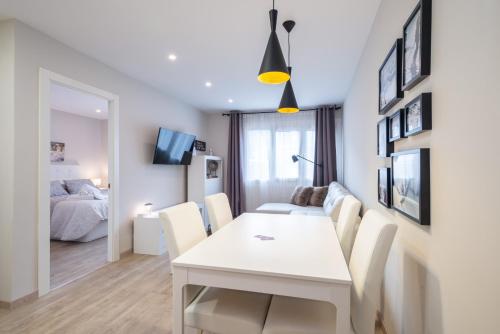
(235, 190)
(325, 153)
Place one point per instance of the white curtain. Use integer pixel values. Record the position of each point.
(269, 141)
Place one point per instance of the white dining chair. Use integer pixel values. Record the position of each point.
(219, 210)
(347, 223)
(289, 315)
(208, 309)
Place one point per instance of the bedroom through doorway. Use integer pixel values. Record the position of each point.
(78, 184)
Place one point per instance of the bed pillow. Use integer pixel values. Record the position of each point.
(74, 186)
(57, 189)
(318, 196)
(303, 196)
(87, 190)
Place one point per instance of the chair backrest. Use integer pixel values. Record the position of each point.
(369, 255)
(183, 228)
(219, 211)
(346, 225)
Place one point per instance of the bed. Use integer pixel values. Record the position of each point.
(78, 210)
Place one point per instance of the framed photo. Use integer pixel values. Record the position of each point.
(389, 79)
(200, 145)
(396, 126)
(411, 184)
(56, 151)
(384, 147)
(418, 115)
(417, 45)
(384, 187)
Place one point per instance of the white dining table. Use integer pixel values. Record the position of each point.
(288, 255)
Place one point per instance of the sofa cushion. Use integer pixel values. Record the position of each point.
(334, 199)
(318, 196)
(309, 211)
(303, 196)
(283, 208)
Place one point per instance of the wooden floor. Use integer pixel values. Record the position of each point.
(129, 296)
(72, 260)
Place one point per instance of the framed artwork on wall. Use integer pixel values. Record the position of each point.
(396, 126)
(57, 151)
(418, 115)
(389, 79)
(384, 187)
(411, 184)
(384, 147)
(417, 45)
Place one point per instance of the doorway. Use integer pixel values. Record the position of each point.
(84, 189)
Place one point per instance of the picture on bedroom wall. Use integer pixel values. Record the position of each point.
(396, 126)
(389, 82)
(417, 45)
(56, 151)
(384, 187)
(418, 115)
(384, 147)
(411, 184)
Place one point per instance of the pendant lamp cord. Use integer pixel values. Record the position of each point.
(273, 4)
(289, 64)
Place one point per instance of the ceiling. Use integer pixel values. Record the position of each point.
(76, 102)
(221, 41)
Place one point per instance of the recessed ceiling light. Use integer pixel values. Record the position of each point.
(98, 111)
(230, 100)
(172, 57)
(208, 84)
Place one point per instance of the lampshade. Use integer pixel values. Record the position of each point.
(273, 69)
(288, 102)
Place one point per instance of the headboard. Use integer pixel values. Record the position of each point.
(60, 172)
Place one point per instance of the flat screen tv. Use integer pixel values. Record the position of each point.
(173, 148)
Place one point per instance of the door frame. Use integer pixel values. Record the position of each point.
(46, 78)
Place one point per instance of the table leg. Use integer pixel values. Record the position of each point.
(343, 305)
(179, 280)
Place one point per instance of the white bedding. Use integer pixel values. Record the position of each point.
(74, 216)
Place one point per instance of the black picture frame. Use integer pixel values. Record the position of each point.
(384, 147)
(416, 122)
(200, 145)
(417, 47)
(392, 62)
(396, 126)
(384, 187)
(410, 180)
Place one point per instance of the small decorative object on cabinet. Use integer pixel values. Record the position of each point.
(396, 126)
(205, 177)
(417, 45)
(384, 187)
(411, 184)
(418, 115)
(384, 147)
(389, 79)
(148, 234)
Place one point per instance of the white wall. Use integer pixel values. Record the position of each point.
(7, 165)
(85, 140)
(217, 138)
(442, 279)
(142, 110)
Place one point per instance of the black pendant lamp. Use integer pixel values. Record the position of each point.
(288, 102)
(273, 70)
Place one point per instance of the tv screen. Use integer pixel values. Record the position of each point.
(173, 148)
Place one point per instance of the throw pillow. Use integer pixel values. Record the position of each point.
(318, 196)
(295, 193)
(57, 189)
(303, 196)
(74, 186)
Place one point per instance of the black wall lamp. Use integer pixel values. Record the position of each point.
(296, 158)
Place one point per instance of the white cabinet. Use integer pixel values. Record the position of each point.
(148, 235)
(205, 177)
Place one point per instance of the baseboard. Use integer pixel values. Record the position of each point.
(126, 253)
(20, 301)
(380, 323)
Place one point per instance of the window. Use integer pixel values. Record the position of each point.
(287, 144)
(257, 154)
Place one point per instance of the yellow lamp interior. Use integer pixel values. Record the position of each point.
(274, 78)
(288, 110)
